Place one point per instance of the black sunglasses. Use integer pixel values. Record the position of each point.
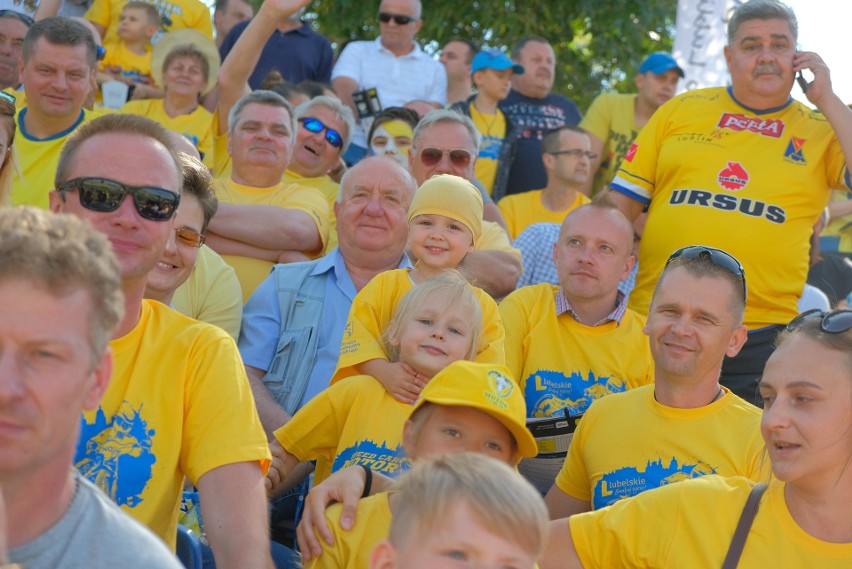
(316, 126)
(18, 15)
(105, 195)
(831, 322)
(398, 19)
(716, 256)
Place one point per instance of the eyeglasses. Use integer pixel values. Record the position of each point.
(18, 15)
(316, 126)
(576, 153)
(716, 256)
(104, 195)
(832, 322)
(431, 156)
(190, 237)
(398, 19)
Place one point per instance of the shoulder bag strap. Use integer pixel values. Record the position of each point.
(741, 533)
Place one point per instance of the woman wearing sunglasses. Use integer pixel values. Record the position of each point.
(186, 68)
(8, 165)
(803, 518)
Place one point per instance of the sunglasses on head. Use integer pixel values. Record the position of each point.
(831, 322)
(316, 126)
(190, 237)
(432, 156)
(716, 256)
(104, 195)
(18, 15)
(398, 19)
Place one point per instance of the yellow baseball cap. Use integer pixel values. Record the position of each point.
(451, 197)
(487, 387)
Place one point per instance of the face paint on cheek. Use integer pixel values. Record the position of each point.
(392, 131)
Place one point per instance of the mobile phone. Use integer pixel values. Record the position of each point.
(803, 83)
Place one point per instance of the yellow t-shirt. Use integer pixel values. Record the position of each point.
(134, 67)
(495, 238)
(716, 173)
(196, 126)
(38, 160)
(352, 549)
(372, 310)
(492, 128)
(611, 117)
(212, 293)
(222, 164)
(561, 363)
(178, 405)
(175, 15)
(251, 271)
(522, 210)
(628, 443)
(329, 189)
(691, 525)
(355, 421)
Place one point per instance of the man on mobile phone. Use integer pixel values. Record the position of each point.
(746, 169)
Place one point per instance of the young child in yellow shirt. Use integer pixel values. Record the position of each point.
(128, 56)
(444, 222)
(468, 407)
(356, 421)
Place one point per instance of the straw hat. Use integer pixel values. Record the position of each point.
(185, 36)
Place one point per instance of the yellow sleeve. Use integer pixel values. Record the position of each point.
(515, 323)
(99, 12)
(333, 556)
(314, 431)
(371, 312)
(311, 201)
(506, 207)
(573, 478)
(495, 238)
(490, 348)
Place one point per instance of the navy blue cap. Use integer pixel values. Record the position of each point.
(494, 59)
(659, 62)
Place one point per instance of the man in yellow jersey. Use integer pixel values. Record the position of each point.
(178, 404)
(684, 424)
(743, 168)
(614, 119)
(567, 156)
(324, 130)
(571, 344)
(261, 219)
(446, 142)
(58, 61)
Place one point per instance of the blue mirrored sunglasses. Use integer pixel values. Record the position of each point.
(316, 126)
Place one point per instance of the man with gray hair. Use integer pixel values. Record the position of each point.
(60, 300)
(262, 220)
(59, 58)
(766, 166)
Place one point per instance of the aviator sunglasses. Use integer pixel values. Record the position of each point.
(716, 256)
(105, 195)
(316, 126)
(431, 156)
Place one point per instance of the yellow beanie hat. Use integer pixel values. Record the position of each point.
(451, 197)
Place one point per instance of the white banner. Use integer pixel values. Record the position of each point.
(700, 40)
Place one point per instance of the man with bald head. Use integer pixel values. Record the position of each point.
(393, 64)
(576, 342)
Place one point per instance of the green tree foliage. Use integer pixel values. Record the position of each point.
(599, 44)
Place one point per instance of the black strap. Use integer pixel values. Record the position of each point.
(741, 533)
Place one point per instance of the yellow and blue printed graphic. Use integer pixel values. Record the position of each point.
(116, 454)
(376, 457)
(549, 392)
(629, 481)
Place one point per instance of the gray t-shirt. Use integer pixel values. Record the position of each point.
(94, 533)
